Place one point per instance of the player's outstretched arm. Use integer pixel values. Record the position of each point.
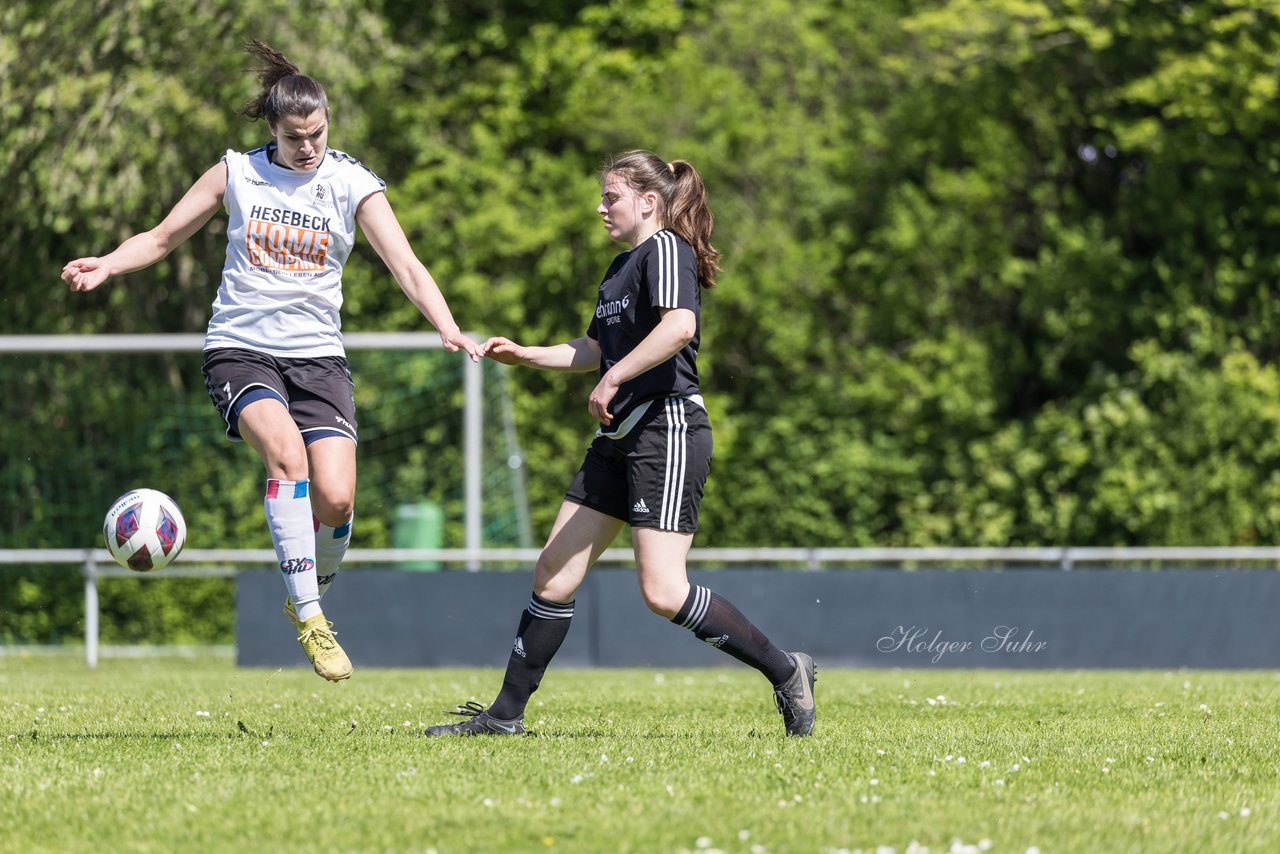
(387, 238)
(580, 354)
(191, 212)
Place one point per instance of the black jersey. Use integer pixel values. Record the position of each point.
(661, 272)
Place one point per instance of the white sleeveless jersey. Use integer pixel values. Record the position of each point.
(289, 234)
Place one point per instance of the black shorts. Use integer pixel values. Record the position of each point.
(652, 477)
(319, 392)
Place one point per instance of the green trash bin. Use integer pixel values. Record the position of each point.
(418, 526)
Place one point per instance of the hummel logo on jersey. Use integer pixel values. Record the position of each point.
(518, 649)
(716, 642)
(343, 422)
(640, 507)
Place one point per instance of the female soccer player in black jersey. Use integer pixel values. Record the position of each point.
(652, 451)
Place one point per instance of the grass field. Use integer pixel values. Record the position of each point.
(196, 755)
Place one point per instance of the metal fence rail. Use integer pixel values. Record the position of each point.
(220, 563)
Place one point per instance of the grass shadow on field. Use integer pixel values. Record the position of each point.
(190, 735)
(692, 734)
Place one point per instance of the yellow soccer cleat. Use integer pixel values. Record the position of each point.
(290, 613)
(317, 638)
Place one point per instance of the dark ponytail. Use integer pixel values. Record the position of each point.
(286, 91)
(684, 202)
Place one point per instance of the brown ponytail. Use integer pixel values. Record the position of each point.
(684, 202)
(286, 91)
(689, 216)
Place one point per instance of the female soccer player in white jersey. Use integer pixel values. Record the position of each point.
(652, 452)
(274, 363)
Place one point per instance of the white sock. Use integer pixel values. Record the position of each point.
(331, 545)
(289, 517)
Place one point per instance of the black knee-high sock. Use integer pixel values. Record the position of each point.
(713, 619)
(543, 627)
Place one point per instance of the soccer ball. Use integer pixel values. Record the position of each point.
(144, 530)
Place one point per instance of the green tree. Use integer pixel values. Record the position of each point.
(957, 234)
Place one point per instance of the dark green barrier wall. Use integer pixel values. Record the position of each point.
(1024, 618)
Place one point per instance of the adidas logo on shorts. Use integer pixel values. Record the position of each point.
(640, 507)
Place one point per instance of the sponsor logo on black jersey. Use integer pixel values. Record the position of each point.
(610, 311)
(607, 308)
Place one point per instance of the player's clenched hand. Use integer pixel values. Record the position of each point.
(601, 396)
(85, 274)
(503, 350)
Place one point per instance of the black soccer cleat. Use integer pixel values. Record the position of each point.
(795, 696)
(478, 722)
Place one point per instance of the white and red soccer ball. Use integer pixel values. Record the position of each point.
(144, 530)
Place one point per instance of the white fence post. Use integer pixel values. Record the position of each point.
(90, 609)
(473, 430)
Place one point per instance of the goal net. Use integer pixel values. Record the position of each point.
(80, 425)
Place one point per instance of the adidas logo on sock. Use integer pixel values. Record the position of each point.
(716, 642)
(518, 649)
(640, 507)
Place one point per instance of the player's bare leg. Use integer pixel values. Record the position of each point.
(661, 558)
(267, 427)
(333, 496)
(578, 538)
